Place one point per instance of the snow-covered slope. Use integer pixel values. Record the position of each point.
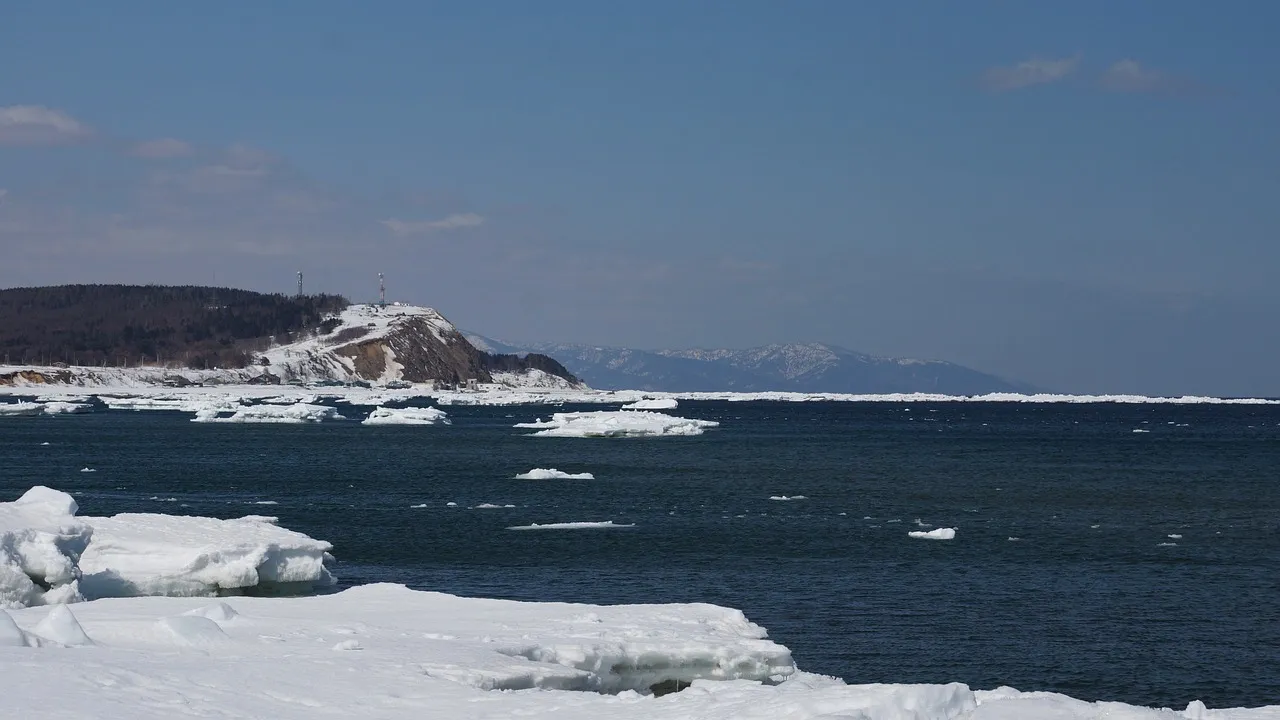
(370, 343)
(811, 367)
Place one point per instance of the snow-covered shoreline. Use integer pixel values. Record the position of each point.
(153, 395)
(385, 651)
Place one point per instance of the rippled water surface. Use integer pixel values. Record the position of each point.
(1093, 598)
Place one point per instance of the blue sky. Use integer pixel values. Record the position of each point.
(1083, 197)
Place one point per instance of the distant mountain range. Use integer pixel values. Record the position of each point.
(811, 367)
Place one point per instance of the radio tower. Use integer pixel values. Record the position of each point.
(382, 291)
(299, 283)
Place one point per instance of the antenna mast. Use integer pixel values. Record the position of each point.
(299, 283)
(382, 291)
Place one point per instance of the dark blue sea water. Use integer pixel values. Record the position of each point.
(1094, 599)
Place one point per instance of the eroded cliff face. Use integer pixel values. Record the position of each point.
(416, 349)
(36, 377)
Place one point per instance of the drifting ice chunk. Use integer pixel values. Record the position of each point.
(226, 404)
(146, 554)
(66, 408)
(788, 497)
(298, 413)
(406, 416)
(617, 423)
(40, 542)
(939, 534)
(571, 526)
(20, 409)
(653, 404)
(553, 474)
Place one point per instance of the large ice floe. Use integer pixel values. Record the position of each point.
(48, 555)
(20, 409)
(41, 542)
(148, 554)
(406, 416)
(296, 413)
(617, 423)
(939, 534)
(553, 474)
(662, 403)
(582, 525)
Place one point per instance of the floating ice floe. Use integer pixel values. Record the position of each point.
(490, 506)
(617, 423)
(406, 416)
(572, 526)
(553, 474)
(148, 554)
(41, 542)
(939, 534)
(297, 413)
(20, 409)
(87, 470)
(177, 404)
(66, 408)
(788, 497)
(664, 403)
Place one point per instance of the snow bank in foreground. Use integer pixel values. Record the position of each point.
(664, 403)
(618, 423)
(939, 534)
(553, 474)
(40, 542)
(406, 416)
(382, 651)
(297, 413)
(571, 526)
(146, 554)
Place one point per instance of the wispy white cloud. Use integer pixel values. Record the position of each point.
(3, 193)
(419, 227)
(1028, 73)
(1130, 76)
(162, 148)
(39, 125)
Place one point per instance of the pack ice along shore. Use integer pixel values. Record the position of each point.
(159, 616)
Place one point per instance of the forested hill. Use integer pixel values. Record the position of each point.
(189, 326)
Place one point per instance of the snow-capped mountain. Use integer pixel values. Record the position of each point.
(810, 367)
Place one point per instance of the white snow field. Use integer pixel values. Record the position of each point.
(605, 525)
(149, 554)
(939, 534)
(553, 474)
(617, 423)
(383, 651)
(296, 413)
(41, 540)
(406, 416)
(664, 403)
